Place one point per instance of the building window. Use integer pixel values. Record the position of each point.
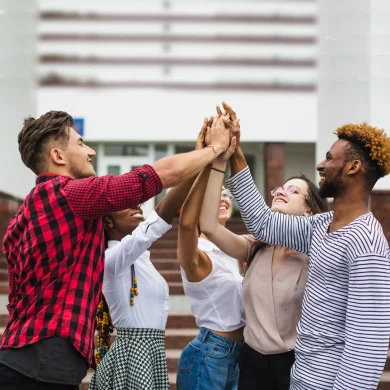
(126, 150)
(160, 151)
(114, 170)
(183, 149)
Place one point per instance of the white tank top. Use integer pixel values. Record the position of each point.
(216, 301)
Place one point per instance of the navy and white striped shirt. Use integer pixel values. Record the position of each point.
(343, 334)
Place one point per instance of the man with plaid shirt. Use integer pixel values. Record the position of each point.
(55, 248)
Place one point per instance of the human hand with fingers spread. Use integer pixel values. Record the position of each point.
(201, 141)
(233, 123)
(237, 159)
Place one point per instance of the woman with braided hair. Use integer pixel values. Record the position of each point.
(136, 360)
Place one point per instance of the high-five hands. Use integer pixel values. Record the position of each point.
(233, 123)
(200, 142)
(222, 131)
(218, 134)
(226, 155)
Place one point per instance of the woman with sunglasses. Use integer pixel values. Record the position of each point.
(213, 286)
(274, 281)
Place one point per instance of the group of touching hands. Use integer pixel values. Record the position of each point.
(221, 131)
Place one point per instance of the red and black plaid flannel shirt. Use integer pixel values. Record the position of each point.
(55, 253)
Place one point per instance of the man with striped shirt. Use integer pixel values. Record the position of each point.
(343, 334)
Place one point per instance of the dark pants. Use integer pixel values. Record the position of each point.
(13, 380)
(264, 372)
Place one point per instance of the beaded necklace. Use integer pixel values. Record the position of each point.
(104, 328)
(134, 288)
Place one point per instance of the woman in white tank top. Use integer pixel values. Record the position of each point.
(213, 285)
(136, 360)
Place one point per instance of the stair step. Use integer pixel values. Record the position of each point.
(179, 338)
(180, 321)
(175, 288)
(3, 275)
(171, 275)
(4, 288)
(173, 356)
(166, 264)
(163, 253)
(166, 243)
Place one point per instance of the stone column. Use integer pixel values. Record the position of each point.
(274, 163)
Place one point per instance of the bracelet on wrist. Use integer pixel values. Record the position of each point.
(214, 150)
(218, 170)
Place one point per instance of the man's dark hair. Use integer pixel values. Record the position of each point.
(371, 146)
(37, 135)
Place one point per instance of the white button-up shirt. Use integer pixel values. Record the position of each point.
(150, 308)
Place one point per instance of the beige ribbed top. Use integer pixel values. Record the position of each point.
(273, 307)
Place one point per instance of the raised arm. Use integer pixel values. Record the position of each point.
(94, 197)
(232, 244)
(174, 169)
(270, 227)
(120, 257)
(194, 262)
(367, 327)
(169, 206)
(125, 253)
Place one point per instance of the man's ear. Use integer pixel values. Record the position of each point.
(108, 222)
(57, 156)
(354, 167)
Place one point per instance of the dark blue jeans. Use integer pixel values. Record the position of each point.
(209, 362)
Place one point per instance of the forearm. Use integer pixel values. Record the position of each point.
(130, 248)
(209, 215)
(367, 326)
(237, 161)
(269, 227)
(187, 248)
(174, 169)
(192, 207)
(168, 208)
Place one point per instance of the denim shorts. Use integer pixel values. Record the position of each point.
(209, 362)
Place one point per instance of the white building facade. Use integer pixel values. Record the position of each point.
(142, 75)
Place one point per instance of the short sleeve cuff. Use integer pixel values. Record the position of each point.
(151, 181)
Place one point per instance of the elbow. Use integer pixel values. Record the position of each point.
(187, 226)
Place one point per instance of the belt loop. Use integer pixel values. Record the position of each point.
(204, 333)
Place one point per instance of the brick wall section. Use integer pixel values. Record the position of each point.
(274, 163)
(380, 207)
(8, 208)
